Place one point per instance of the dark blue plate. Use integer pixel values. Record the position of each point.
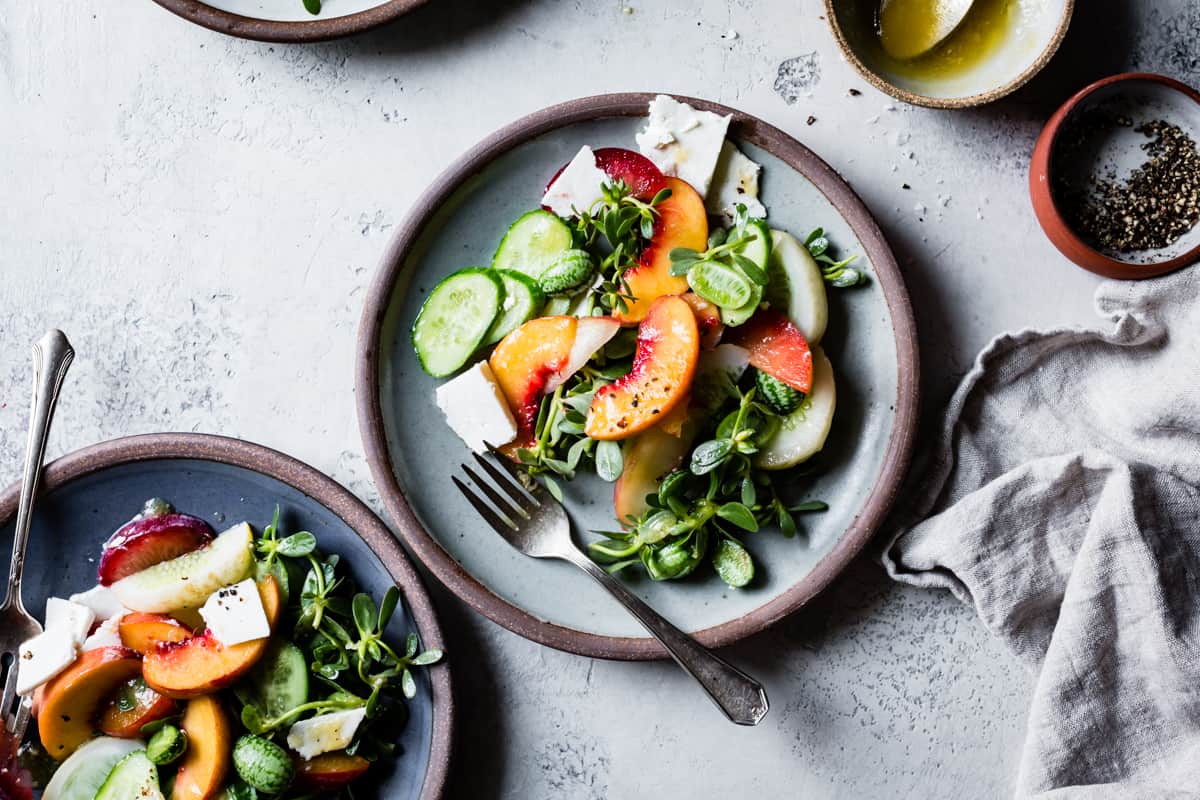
(88, 494)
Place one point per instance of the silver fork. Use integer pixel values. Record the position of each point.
(52, 355)
(523, 512)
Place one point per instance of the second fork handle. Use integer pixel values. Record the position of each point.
(742, 699)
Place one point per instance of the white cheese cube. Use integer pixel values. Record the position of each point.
(235, 614)
(74, 619)
(326, 733)
(102, 601)
(41, 658)
(577, 187)
(107, 635)
(682, 141)
(735, 180)
(476, 409)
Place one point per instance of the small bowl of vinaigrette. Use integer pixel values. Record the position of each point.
(995, 49)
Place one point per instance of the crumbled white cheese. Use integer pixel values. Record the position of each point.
(107, 635)
(577, 187)
(734, 181)
(475, 408)
(696, 139)
(74, 618)
(43, 657)
(326, 733)
(102, 601)
(235, 614)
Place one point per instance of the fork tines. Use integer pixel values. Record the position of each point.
(511, 499)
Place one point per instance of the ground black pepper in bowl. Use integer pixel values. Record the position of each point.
(1149, 209)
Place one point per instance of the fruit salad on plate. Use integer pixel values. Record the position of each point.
(207, 666)
(648, 323)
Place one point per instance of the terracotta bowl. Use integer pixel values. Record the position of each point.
(1139, 97)
(1023, 53)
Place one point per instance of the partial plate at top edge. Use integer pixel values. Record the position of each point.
(287, 21)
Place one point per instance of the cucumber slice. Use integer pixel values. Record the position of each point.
(532, 243)
(523, 299)
(84, 772)
(795, 287)
(187, 581)
(455, 319)
(280, 679)
(802, 433)
(134, 776)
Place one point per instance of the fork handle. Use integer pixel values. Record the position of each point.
(52, 356)
(741, 698)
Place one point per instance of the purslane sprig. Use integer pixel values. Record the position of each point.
(836, 273)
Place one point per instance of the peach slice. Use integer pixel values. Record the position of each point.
(668, 345)
(206, 763)
(200, 664)
(524, 361)
(329, 772)
(141, 632)
(648, 459)
(682, 222)
(73, 699)
(708, 319)
(147, 706)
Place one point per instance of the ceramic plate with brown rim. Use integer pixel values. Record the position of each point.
(88, 494)
(290, 20)
(413, 453)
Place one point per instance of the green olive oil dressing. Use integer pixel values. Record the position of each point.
(906, 26)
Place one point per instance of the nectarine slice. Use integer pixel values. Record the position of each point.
(135, 704)
(523, 361)
(668, 345)
(329, 772)
(73, 699)
(206, 763)
(648, 459)
(708, 320)
(682, 222)
(201, 664)
(141, 632)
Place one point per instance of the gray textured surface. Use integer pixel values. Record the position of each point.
(202, 214)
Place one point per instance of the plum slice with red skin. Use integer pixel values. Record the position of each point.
(638, 172)
(147, 540)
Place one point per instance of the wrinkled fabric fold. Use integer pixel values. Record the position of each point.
(1062, 499)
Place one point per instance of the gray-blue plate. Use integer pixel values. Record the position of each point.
(88, 494)
(871, 341)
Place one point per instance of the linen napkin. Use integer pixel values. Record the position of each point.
(1063, 501)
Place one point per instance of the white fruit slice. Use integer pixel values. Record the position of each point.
(187, 581)
(804, 431)
(796, 287)
(591, 333)
(84, 772)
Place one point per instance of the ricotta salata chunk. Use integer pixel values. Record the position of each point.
(235, 614)
(735, 181)
(44, 656)
(102, 601)
(476, 410)
(326, 733)
(683, 141)
(75, 619)
(107, 634)
(577, 187)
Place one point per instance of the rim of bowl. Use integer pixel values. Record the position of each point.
(1041, 191)
(315, 485)
(447, 569)
(970, 101)
(279, 31)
